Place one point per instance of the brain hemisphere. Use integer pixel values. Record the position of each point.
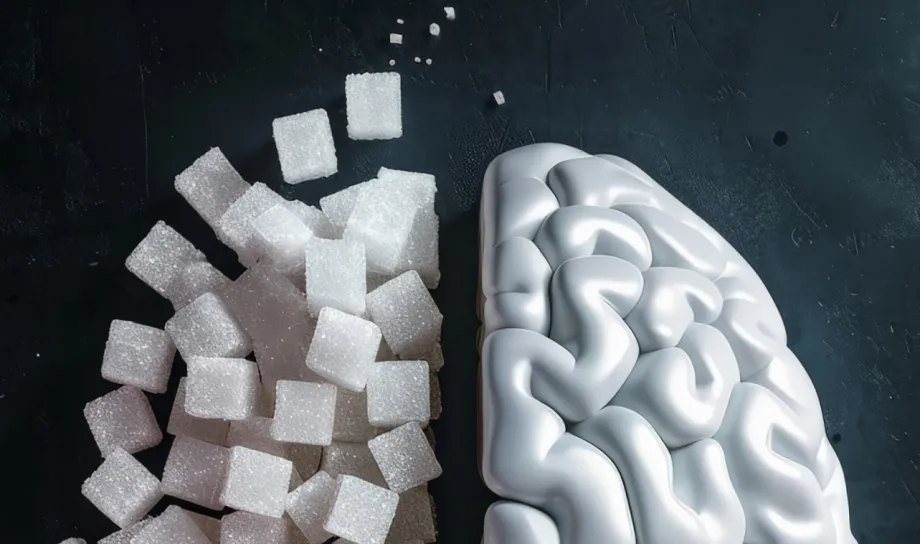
(602, 289)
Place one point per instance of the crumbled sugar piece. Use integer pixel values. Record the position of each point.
(338, 206)
(256, 482)
(398, 392)
(392, 62)
(396, 39)
(351, 458)
(450, 13)
(373, 106)
(124, 536)
(382, 218)
(206, 328)
(434, 29)
(435, 395)
(195, 472)
(308, 505)
(235, 228)
(406, 314)
(435, 357)
(418, 59)
(138, 355)
(414, 521)
(335, 276)
(281, 237)
(351, 424)
(221, 388)
(399, 21)
(249, 528)
(173, 526)
(122, 489)
(160, 256)
(210, 185)
(208, 525)
(312, 217)
(405, 458)
(122, 419)
(344, 348)
(306, 458)
(428, 62)
(306, 149)
(361, 512)
(194, 280)
(304, 413)
(499, 97)
(183, 424)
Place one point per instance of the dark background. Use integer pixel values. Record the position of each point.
(791, 126)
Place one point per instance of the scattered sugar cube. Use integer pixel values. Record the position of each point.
(405, 458)
(435, 395)
(406, 314)
(122, 489)
(256, 482)
(414, 521)
(398, 392)
(281, 237)
(255, 433)
(160, 256)
(450, 13)
(195, 472)
(396, 39)
(235, 226)
(208, 525)
(122, 419)
(434, 29)
(312, 217)
(124, 536)
(351, 424)
(210, 185)
(344, 348)
(183, 424)
(206, 328)
(308, 505)
(194, 280)
(382, 218)
(373, 106)
(351, 458)
(138, 355)
(338, 206)
(221, 388)
(336, 276)
(249, 528)
(499, 97)
(305, 146)
(304, 413)
(173, 526)
(361, 512)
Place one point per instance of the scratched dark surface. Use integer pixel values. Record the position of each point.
(791, 126)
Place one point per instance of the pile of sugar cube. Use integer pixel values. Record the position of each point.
(322, 434)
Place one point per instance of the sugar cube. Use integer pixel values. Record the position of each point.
(398, 392)
(221, 388)
(373, 106)
(304, 413)
(195, 471)
(414, 521)
(208, 525)
(267, 304)
(249, 528)
(351, 458)
(396, 39)
(308, 505)
(405, 458)
(122, 419)
(235, 226)
(312, 217)
(338, 206)
(122, 489)
(138, 355)
(335, 276)
(206, 328)
(351, 424)
(183, 424)
(305, 146)
(281, 237)
(173, 526)
(421, 251)
(435, 395)
(361, 512)
(210, 185)
(256, 482)
(450, 13)
(160, 256)
(434, 29)
(406, 314)
(193, 281)
(382, 218)
(499, 98)
(344, 348)
(124, 536)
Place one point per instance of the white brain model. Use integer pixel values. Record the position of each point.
(636, 383)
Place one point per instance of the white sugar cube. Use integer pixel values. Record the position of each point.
(221, 388)
(351, 424)
(499, 98)
(421, 251)
(267, 304)
(281, 237)
(335, 276)
(210, 185)
(122, 489)
(123, 419)
(305, 146)
(206, 328)
(434, 29)
(352, 458)
(435, 395)
(344, 348)
(255, 433)
(308, 505)
(414, 521)
(396, 39)
(312, 217)
(208, 525)
(416, 188)
(124, 536)
(373, 106)
(361, 512)
(138, 355)
(338, 206)
(382, 218)
(304, 413)
(181, 423)
(195, 472)
(256, 482)
(405, 457)
(450, 13)
(194, 280)
(173, 526)
(406, 314)
(249, 528)
(235, 226)
(160, 256)
(398, 392)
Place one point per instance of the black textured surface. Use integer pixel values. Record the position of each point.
(792, 127)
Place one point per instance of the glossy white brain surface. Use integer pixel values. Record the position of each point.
(636, 383)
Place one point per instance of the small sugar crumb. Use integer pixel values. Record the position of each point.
(399, 21)
(428, 62)
(434, 29)
(396, 39)
(417, 59)
(392, 62)
(499, 97)
(450, 12)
